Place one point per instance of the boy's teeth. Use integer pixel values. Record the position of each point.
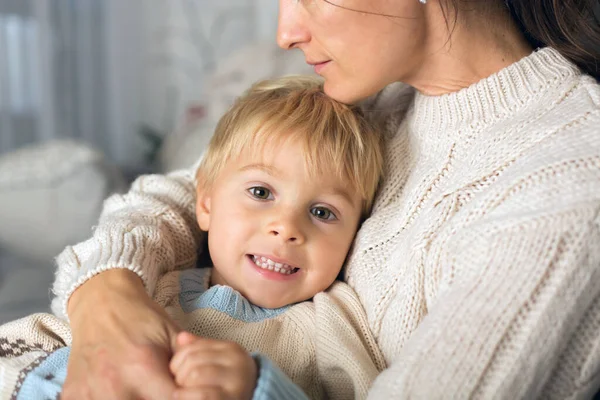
(267, 263)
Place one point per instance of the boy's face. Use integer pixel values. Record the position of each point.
(276, 234)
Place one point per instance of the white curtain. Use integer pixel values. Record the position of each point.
(107, 71)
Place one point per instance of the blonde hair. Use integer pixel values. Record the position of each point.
(335, 137)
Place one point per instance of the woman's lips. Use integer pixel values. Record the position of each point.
(318, 67)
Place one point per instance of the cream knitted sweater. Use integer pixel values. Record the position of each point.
(479, 269)
(319, 349)
(324, 345)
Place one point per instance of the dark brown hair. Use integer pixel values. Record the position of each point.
(570, 26)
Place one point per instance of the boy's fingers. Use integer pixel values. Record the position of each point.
(185, 338)
(201, 372)
(183, 341)
(196, 356)
(205, 393)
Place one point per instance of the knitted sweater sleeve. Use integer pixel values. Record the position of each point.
(521, 288)
(149, 230)
(348, 358)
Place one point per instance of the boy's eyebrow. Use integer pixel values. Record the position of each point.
(343, 193)
(263, 167)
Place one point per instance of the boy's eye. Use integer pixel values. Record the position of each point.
(323, 213)
(260, 192)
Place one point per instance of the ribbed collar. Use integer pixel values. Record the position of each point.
(493, 98)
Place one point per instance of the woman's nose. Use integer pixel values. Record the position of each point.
(291, 30)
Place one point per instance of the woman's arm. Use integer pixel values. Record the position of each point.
(520, 315)
(348, 358)
(150, 230)
(122, 340)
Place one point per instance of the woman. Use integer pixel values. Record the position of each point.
(479, 268)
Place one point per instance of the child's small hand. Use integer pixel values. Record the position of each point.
(212, 369)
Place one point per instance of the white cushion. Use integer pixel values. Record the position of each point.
(51, 195)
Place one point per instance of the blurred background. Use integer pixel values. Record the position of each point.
(94, 93)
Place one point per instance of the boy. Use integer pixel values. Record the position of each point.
(281, 191)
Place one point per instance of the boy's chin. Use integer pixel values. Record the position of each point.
(269, 302)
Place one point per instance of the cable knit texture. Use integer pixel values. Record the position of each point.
(319, 349)
(324, 346)
(479, 269)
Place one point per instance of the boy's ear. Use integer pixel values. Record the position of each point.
(203, 208)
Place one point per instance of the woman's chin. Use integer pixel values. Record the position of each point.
(346, 92)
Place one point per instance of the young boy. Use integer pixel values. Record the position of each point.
(281, 192)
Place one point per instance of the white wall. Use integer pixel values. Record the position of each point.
(184, 40)
(97, 70)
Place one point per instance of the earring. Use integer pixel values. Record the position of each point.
(423, 1)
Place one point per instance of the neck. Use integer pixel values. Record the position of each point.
(481, 43)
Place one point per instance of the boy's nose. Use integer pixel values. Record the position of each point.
(287, 230)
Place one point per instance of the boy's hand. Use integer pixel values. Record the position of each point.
(212, 369)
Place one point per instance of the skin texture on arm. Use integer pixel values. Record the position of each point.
(122, 341)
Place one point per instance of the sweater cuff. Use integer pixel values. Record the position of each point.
(135, 243)
(59, 304)
(273, 383)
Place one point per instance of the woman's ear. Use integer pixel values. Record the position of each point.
(203, 208)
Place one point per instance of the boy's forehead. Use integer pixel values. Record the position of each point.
(291, 156)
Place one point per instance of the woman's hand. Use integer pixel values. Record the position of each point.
(122, 341)
(212, 369)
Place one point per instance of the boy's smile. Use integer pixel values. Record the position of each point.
(278, 233)
(269, 264)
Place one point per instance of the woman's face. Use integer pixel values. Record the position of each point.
(356, 49)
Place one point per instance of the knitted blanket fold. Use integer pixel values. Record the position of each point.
(33, 357)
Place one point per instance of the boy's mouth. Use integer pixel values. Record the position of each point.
(267, 263)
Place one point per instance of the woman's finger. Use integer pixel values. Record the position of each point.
(152, 379)
(121, 343)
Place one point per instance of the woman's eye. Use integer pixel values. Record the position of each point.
(323, 213)
(260, 192)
